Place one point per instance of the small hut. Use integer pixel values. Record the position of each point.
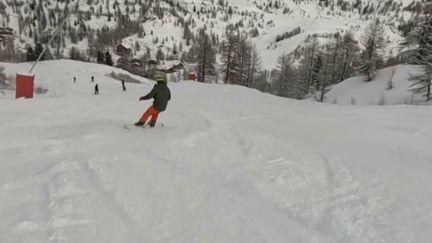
(122, 50)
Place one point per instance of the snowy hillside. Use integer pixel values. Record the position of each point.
(146, 26)
(61, 83)
(250, 167)
(378, 91)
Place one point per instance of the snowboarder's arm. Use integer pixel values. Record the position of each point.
(149, 95)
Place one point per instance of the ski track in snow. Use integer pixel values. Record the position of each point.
(226, 171)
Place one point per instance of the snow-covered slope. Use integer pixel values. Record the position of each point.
(231, 164)
(163, 22)
(57, 76)
(357, 91)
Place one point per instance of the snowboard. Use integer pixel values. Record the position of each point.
(146, 126)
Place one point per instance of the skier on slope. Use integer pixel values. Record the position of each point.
(123, 85)
(96, 92)
(161, 95)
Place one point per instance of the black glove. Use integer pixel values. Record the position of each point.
(141, 98)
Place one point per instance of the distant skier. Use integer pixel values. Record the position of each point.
(96, 92)
(74, 79)
(161, 95)
(123, 85)
(92, 78)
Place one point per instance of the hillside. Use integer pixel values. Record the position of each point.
(171, 26)
(378, 92)
(250, 167)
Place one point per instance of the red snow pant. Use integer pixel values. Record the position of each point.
(150, 112)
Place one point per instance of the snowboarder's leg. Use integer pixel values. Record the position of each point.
(145, 116)
(154, 118)
(149, 112)
(152, 123)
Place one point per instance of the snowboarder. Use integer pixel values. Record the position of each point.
(96, 89)
(123, 85)
(161, 95)
(92, 78)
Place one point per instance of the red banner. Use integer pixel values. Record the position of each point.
(24, 85)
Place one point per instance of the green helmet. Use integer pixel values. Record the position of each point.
(160, 77)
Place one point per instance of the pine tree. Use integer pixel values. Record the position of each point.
(229, 57)
(260, 82)
(187, 34)
(160, 55)
(315, 69)
(31, 56)
(373, 42)
(327, 74)
(206, 56)
(254, 69)
(350, 49)
(38, 51)
(108, 59)
(100, 57)
(244, 54)
(309, 63)
(175, 49)
(310, 66)
(75, 54)
(236, 57)
(287, 83)
(422, 37)
(283, 65)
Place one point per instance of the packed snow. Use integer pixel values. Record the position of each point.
(231, 164)
(391, 86)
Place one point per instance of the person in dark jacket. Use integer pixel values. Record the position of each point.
(161, 95)
(123, 85)
(96, 89)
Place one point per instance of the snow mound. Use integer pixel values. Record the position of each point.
(378, 91)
